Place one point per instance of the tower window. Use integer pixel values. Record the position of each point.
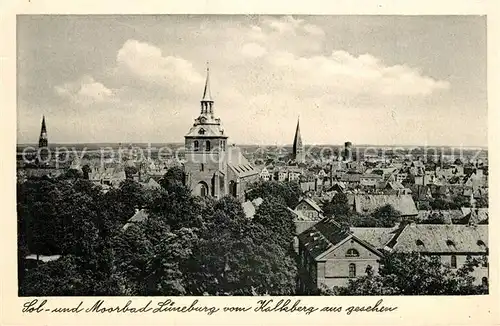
(207, 146)
(352, 270)
(196, 145)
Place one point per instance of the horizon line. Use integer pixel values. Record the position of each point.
(126, 143)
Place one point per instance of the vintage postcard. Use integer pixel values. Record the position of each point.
(254, 167)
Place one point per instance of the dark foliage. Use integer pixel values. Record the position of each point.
(289, 192)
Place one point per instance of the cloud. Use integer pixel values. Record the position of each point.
(85, 91)
(147, 62)
(293, 56)
(349, 75)
(286, 24)
(313, 29)
(253, 50)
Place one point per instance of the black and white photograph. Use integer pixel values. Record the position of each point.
(252, 155)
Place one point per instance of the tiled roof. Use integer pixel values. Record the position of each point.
(301, 226)
(139, 216)
(447, 215)
(152, 184)
(475, 215)
(322, 236)
(326, 235)
(209, 130)
(238, 163)
(350, 177)
(442, 238)
(395, 185)
(370, 176)
(366, 204)
(377, 237)
(313, 204)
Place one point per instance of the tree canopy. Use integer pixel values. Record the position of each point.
(338, 206)
(186, 246)
(289, 192)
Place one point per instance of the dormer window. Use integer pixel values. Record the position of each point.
(450, 243)
(202, 131)
(419, 243)
(481, 243)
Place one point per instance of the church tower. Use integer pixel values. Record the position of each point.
(43, 143)
(298, 147)
(205, 145)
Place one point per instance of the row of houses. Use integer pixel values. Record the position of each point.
(330, 256)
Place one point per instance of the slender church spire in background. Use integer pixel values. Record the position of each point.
(298, 147)
(43, 144)
(43, 140)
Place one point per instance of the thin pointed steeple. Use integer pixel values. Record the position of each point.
(43, 141)
(297, 141)
(298, 147)
(207, 103)
(207, 95)
(44, 127)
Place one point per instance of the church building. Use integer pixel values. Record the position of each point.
(212, 168)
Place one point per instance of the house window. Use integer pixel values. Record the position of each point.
(352, 253)
(453, 261)
(196, 145)
(352, 270)
(207, 146)
(202, 168)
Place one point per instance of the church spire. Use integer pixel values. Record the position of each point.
(207, 95)
(42, 141)
(297, 141)
(44, 127)
(43, 144)
(207, 101)
(298, 147)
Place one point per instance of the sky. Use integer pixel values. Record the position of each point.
(384, 80)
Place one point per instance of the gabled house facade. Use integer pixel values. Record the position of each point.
(330, 256)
